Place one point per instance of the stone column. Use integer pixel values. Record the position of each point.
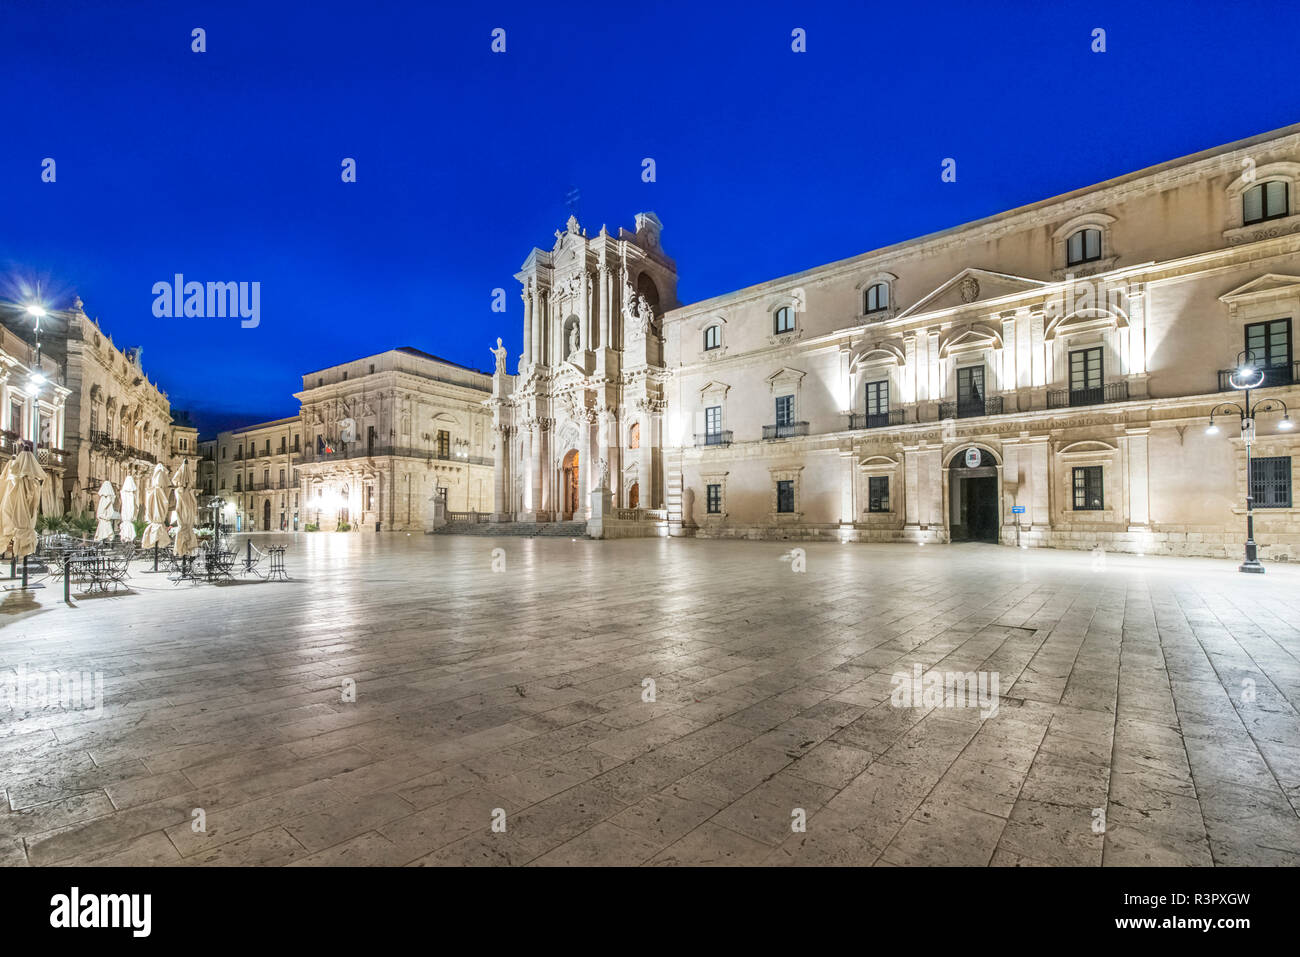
(501, 483)
(644, 458)
(584, 312)
(526, 296)
(584, 462)
(603, 417)
(545, 479)
(539, 326)
(606, 291)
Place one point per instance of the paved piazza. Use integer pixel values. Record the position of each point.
(1160, 693)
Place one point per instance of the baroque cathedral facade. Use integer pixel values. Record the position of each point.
(585, 408)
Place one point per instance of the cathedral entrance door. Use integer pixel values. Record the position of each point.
(569, 469)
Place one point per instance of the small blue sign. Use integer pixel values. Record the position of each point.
(1017, 510)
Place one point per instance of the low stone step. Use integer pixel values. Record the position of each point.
(518, 529)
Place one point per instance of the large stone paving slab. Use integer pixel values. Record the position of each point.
(662, 702)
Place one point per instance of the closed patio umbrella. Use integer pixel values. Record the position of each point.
(156, 508)
(104, 512)
(187, 510)
(129, 507)
(49, 502)
(21, 500)
(4, 491)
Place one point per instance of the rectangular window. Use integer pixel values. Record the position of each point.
(713, 498)
(1087, 489)
(785, 410)
(713, 420)
(1269, 344)
(878, 397)
(970, 391)
(444, 444)
(878, 493)
(1270, 482)
(282, 478)
(785, 495)
(1086, 376)
(16, 417)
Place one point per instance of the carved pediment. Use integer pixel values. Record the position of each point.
(972, 285)
(1269, 286)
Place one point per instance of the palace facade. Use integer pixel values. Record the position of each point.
(256, 470)
(385, 435)
(32, 405)
(1045, 376)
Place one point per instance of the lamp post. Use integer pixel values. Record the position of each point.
(217, 504)
(1248, 376)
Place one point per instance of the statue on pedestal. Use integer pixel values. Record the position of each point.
(500, 353)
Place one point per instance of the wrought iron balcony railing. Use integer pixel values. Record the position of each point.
(875, 420)
(1273, 376)
(1065, 398)
(786, 431)
(969, 408)
(713, 438)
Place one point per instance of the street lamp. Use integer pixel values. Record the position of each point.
(1248, 376)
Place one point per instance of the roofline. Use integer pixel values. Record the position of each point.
(1190, 159)
(260, 425)
(407, 350)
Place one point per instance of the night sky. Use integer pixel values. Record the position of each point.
(225, 165)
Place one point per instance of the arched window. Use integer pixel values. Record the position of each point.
(1265, 201)
(712, 337)
(1083, 246)
(876, 298)
(634, 436)
(784, 319)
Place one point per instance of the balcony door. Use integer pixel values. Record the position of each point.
(1270, 345)
(970, 391)
(1086, 376)
(877, 403)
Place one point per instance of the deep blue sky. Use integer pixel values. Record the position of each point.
(225, 165)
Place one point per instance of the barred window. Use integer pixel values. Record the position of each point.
(878, 493)
(713, 499)
(785, 495)
(1087, 488)
(1270, 482)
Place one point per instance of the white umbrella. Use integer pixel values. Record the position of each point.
(187, 510)
(22, 497)
(49, 503)
(127, 531)
(104, 530)
(156, 508)
(4, 493)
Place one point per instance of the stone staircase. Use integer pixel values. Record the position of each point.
(518, 529)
